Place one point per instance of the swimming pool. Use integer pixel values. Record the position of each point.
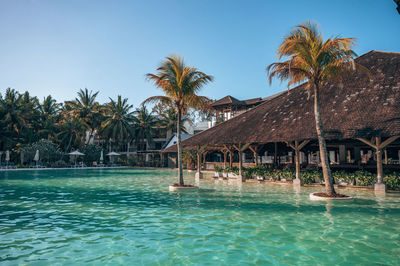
(128, 216)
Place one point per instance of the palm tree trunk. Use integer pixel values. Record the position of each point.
(178, 133)
(330, 190)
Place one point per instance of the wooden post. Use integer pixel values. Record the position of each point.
(378, 146)
(276, 154)
(255, 153)
(230, 158)
(386, 156)
(342, 154)
(200, 149)
(240, 149)
(225, 158)
(240, 161)
(297, 147)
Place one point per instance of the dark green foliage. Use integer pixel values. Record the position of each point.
(92, 154)
(48, 151)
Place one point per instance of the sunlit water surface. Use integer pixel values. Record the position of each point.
(126, 216)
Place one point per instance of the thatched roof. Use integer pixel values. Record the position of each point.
(229, 100)
(226, 101)
(358, 106)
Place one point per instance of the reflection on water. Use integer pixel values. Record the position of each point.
(119, 216)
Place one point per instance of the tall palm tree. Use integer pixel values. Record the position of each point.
(180, 84)
(15, 117)
(88, 109)
(118, 123)
(70, 133)
(169, 120)
(145, 124)
(314, 61)
(49, 114)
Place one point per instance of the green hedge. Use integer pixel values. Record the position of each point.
(359, 178)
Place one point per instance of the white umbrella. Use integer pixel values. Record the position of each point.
(101, 157)
(111, 154)
(36, 158)
(77, 153)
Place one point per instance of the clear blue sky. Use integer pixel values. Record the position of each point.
(57, 47)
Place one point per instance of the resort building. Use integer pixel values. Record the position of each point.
(360, 114)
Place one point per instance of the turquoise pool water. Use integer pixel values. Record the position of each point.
(99, 217)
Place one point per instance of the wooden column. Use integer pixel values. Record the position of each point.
(230, 158)
(379, 146)
(200, 149)
(276, 154)
(254, 149)
(386, 156)
(240, 148)
(342, 154)
(225, 152)
(297, 147)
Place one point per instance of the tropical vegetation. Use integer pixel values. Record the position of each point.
(314, 61)
(57, 128)
(180, 84)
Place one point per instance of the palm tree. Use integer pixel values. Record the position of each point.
(15, 117)
(49, 114)
(88, 109)
(145, 124)
(314, 61)
(70, 132)
(118, 123)
(180, 84)
(169, 120)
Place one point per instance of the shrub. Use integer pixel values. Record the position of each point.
(48, 151)
(311, 176)
(92, 154)
(218, 169)
(59, 164)
(364, 178)
(392, 181)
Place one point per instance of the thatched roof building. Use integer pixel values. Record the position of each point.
(358, 106)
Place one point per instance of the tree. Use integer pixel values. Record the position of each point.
(88, 110)
(145, 124)
(180, 84)
(169, 120)
(315, 62)
(19, 116)
(49, 115)
(118, 124)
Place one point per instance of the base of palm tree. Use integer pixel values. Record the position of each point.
(323, 196)
(176, 187)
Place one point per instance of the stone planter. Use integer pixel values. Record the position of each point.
(218, 174)
(182, 189)
(224, 174)
(232, 175)
(315, 197)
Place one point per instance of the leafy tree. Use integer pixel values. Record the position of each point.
(48, 151)
(92, 153)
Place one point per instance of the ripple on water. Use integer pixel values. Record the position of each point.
(119, 216)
